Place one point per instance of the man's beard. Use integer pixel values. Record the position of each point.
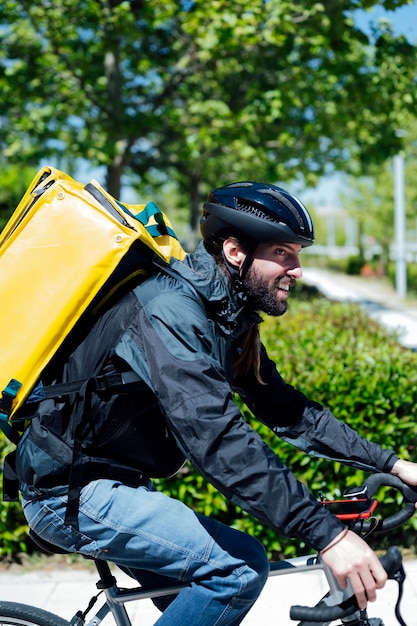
(263, 297)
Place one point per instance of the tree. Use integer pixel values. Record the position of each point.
(14, 181)
(199, 92)
(370, 199)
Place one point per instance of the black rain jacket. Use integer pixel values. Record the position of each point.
(179, 336)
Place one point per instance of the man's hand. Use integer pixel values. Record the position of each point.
(406, 471)
(350, 558)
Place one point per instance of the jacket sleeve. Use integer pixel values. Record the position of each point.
(309, 426)
(186, 375)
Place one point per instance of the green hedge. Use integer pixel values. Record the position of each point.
(13, 528)
(335, 354)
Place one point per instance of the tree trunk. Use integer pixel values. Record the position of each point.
(195, 210)
(114, 178)
(114, 108)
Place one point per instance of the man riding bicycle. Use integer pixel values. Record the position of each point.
(192, 337)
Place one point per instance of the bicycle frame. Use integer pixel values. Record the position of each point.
(117, 598)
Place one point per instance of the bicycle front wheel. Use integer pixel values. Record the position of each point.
(16, 614)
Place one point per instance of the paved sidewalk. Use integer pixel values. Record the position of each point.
(375, 295)
(67, 590)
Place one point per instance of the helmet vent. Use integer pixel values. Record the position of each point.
(256, 211)
(288, 204)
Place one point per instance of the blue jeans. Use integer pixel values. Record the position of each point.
(145, 532)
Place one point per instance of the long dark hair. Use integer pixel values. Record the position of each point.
(247, 353)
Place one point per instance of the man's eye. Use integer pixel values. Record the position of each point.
(281, 252)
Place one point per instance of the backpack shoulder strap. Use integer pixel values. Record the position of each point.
(111, 380)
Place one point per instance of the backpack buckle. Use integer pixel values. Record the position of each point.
(7, 397)
(107, 381)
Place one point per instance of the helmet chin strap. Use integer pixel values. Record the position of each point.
(244, 268)
(238, 273)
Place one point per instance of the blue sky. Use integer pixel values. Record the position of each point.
(403, 19)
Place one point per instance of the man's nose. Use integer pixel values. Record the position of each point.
(296, 271)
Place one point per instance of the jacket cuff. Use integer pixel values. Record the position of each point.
(386, 461)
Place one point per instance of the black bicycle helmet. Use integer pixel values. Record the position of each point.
(262, 212)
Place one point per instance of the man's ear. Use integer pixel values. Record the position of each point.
(233, 251)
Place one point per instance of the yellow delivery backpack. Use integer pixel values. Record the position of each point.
(65, 250)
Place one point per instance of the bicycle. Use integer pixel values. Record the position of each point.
(336, 603)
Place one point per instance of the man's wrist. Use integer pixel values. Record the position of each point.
(336, 540)
(396, 468)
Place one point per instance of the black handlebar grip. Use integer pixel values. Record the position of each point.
(397, 519)
(383, 525)
(392, 561)
(320, 613)
(375, 481)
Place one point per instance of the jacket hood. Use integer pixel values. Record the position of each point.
(213, 286)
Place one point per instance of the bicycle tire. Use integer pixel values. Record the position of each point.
(16, 614)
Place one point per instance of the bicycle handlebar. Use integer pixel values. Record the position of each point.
(375, 482)
(391, 562)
